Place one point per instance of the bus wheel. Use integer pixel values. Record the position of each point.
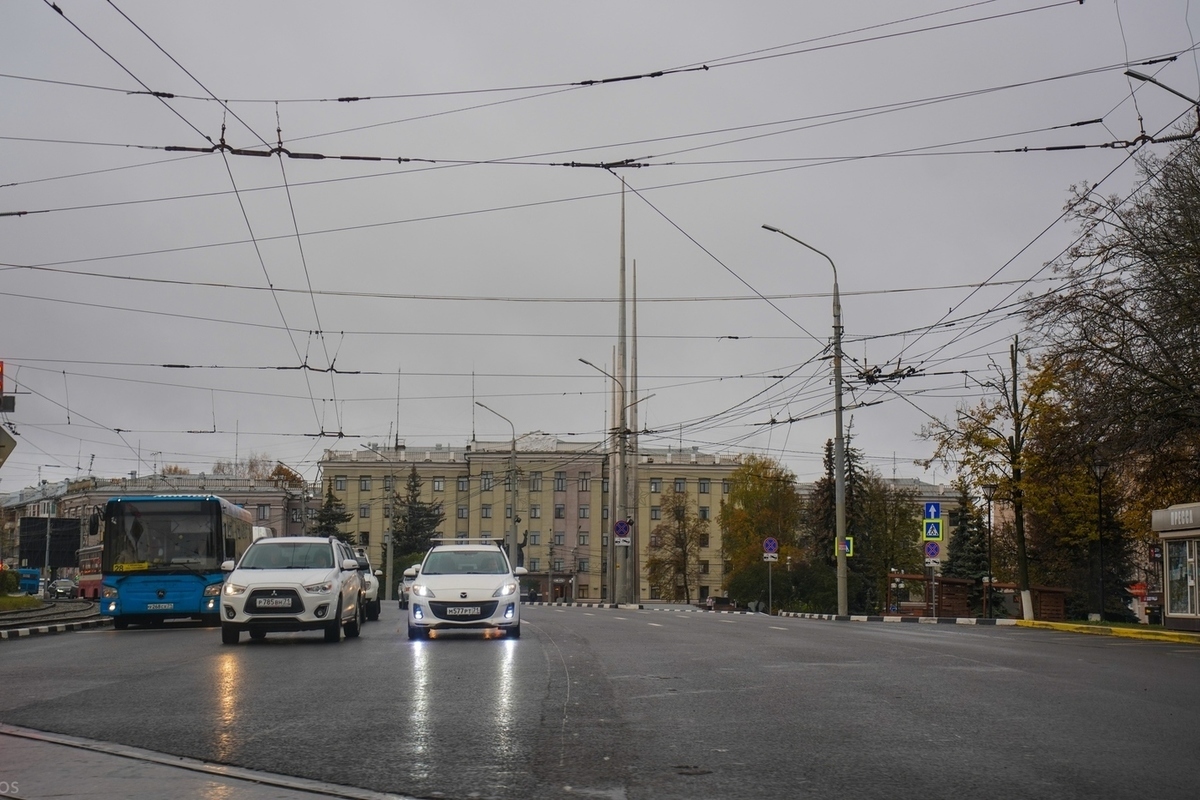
(120, 624)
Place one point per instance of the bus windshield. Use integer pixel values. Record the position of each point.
(162, 535)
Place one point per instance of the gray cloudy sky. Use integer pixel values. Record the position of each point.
(483, 268)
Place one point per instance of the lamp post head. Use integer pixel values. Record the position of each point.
(989, 491)
(1099, 469)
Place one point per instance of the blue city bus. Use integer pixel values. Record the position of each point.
(162, 556)
(30, 581)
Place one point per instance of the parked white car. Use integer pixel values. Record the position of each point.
(463, 586)
(297, 583)
(370, 581)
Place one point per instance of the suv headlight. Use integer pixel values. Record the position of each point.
(505, 590)
(232, 589)
(325, 587)
(212, 590)
(421, 590)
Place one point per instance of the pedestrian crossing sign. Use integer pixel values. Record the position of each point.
(933, 530)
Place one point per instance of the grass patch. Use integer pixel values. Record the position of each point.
(19, 602)
(1135, 625)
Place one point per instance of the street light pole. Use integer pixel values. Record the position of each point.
(1100, 469)
(989, 491)
(512, 485)
(839, 444)
(619, 580)
(388, 535)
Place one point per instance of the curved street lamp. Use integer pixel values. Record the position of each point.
(839, 444)
(512, 485)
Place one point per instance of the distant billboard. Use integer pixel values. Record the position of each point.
(64, 541)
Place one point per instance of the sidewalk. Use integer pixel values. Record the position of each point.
(34, 764)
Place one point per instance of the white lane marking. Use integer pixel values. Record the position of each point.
(655, 624)
(775, 628)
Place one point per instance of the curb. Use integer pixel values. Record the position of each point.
(19, 633)
(1179, 637)
(899, 619)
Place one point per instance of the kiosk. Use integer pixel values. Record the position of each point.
(1179, 529)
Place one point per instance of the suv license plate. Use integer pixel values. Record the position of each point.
(462, 611)
(274, 602)
(159, 606)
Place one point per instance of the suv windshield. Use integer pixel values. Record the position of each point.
(288, 555)
(465, 562)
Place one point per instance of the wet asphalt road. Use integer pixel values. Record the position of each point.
(620, 703)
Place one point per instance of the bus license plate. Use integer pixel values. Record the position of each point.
(159, 606)
(274, 602)
(462, 611)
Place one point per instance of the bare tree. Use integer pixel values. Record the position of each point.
(673, 565)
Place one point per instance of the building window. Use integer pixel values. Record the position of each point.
(654, 593)
(583, 593)
(703, 567)
(295, 515)
(508, 512)
(485, 511)
(558, 565)
(485, 536)
(364, 511)
(604, 541)
(704, 540)
(655, 540)
(364, 483)
(583, 539)
(704, 512)
(462, 512)
(584, 565)
(681, 485)
(604, 485)
(387, 512)
(560, 481)
(604, 512)
(560, 537)
(705, 483)
(560, 511)
(535, 537)
(264, 512)
(461, 536)
(655, 485)
(655, 512)
(585, 512)
(387, 483)
(727, 566)
(364, 538)
(585, 481)
(534, 564)
(464, 483)
(724, 487)
(339, 483)
(535, 511)
(535, 481)
(439, 483)
(486, 480)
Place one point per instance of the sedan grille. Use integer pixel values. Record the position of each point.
(452, 611)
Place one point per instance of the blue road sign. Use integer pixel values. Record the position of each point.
(621, 528)
(932, 549)
(933, 530)
(933, 511)
(770, 545)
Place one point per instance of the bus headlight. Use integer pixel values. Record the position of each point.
(212, 590)
(109, 593)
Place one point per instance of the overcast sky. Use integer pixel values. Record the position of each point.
(881, 133)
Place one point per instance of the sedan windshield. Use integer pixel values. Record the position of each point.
(465, 562)
(288, 555)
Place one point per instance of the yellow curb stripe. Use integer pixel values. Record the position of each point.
(1103, 630)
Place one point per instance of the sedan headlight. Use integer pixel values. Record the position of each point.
(325, 587)
(232, 589)
(421, 590)
(506, 589)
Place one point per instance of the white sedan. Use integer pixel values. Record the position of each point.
(464, 586)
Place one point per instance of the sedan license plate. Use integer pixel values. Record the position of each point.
(274, 602)
(159, 606)
(462, 611)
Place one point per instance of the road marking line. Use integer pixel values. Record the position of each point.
(655, 624)
(774, 628)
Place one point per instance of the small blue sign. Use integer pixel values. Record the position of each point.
(932, 549)
(933, 511)
(621, 528)
(770, 545)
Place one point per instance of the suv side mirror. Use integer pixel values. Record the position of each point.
(227, 566)
(350, 563)
(411, 572)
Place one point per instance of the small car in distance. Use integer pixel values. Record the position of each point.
(464, 586)
(406, 585)
(370, 581)
(297, 583)
(63, 587)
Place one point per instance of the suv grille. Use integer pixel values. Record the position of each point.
(274, 602)
(441, 611)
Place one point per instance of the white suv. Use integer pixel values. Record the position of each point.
(462, 586)
(370, 582)
(297, 583)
